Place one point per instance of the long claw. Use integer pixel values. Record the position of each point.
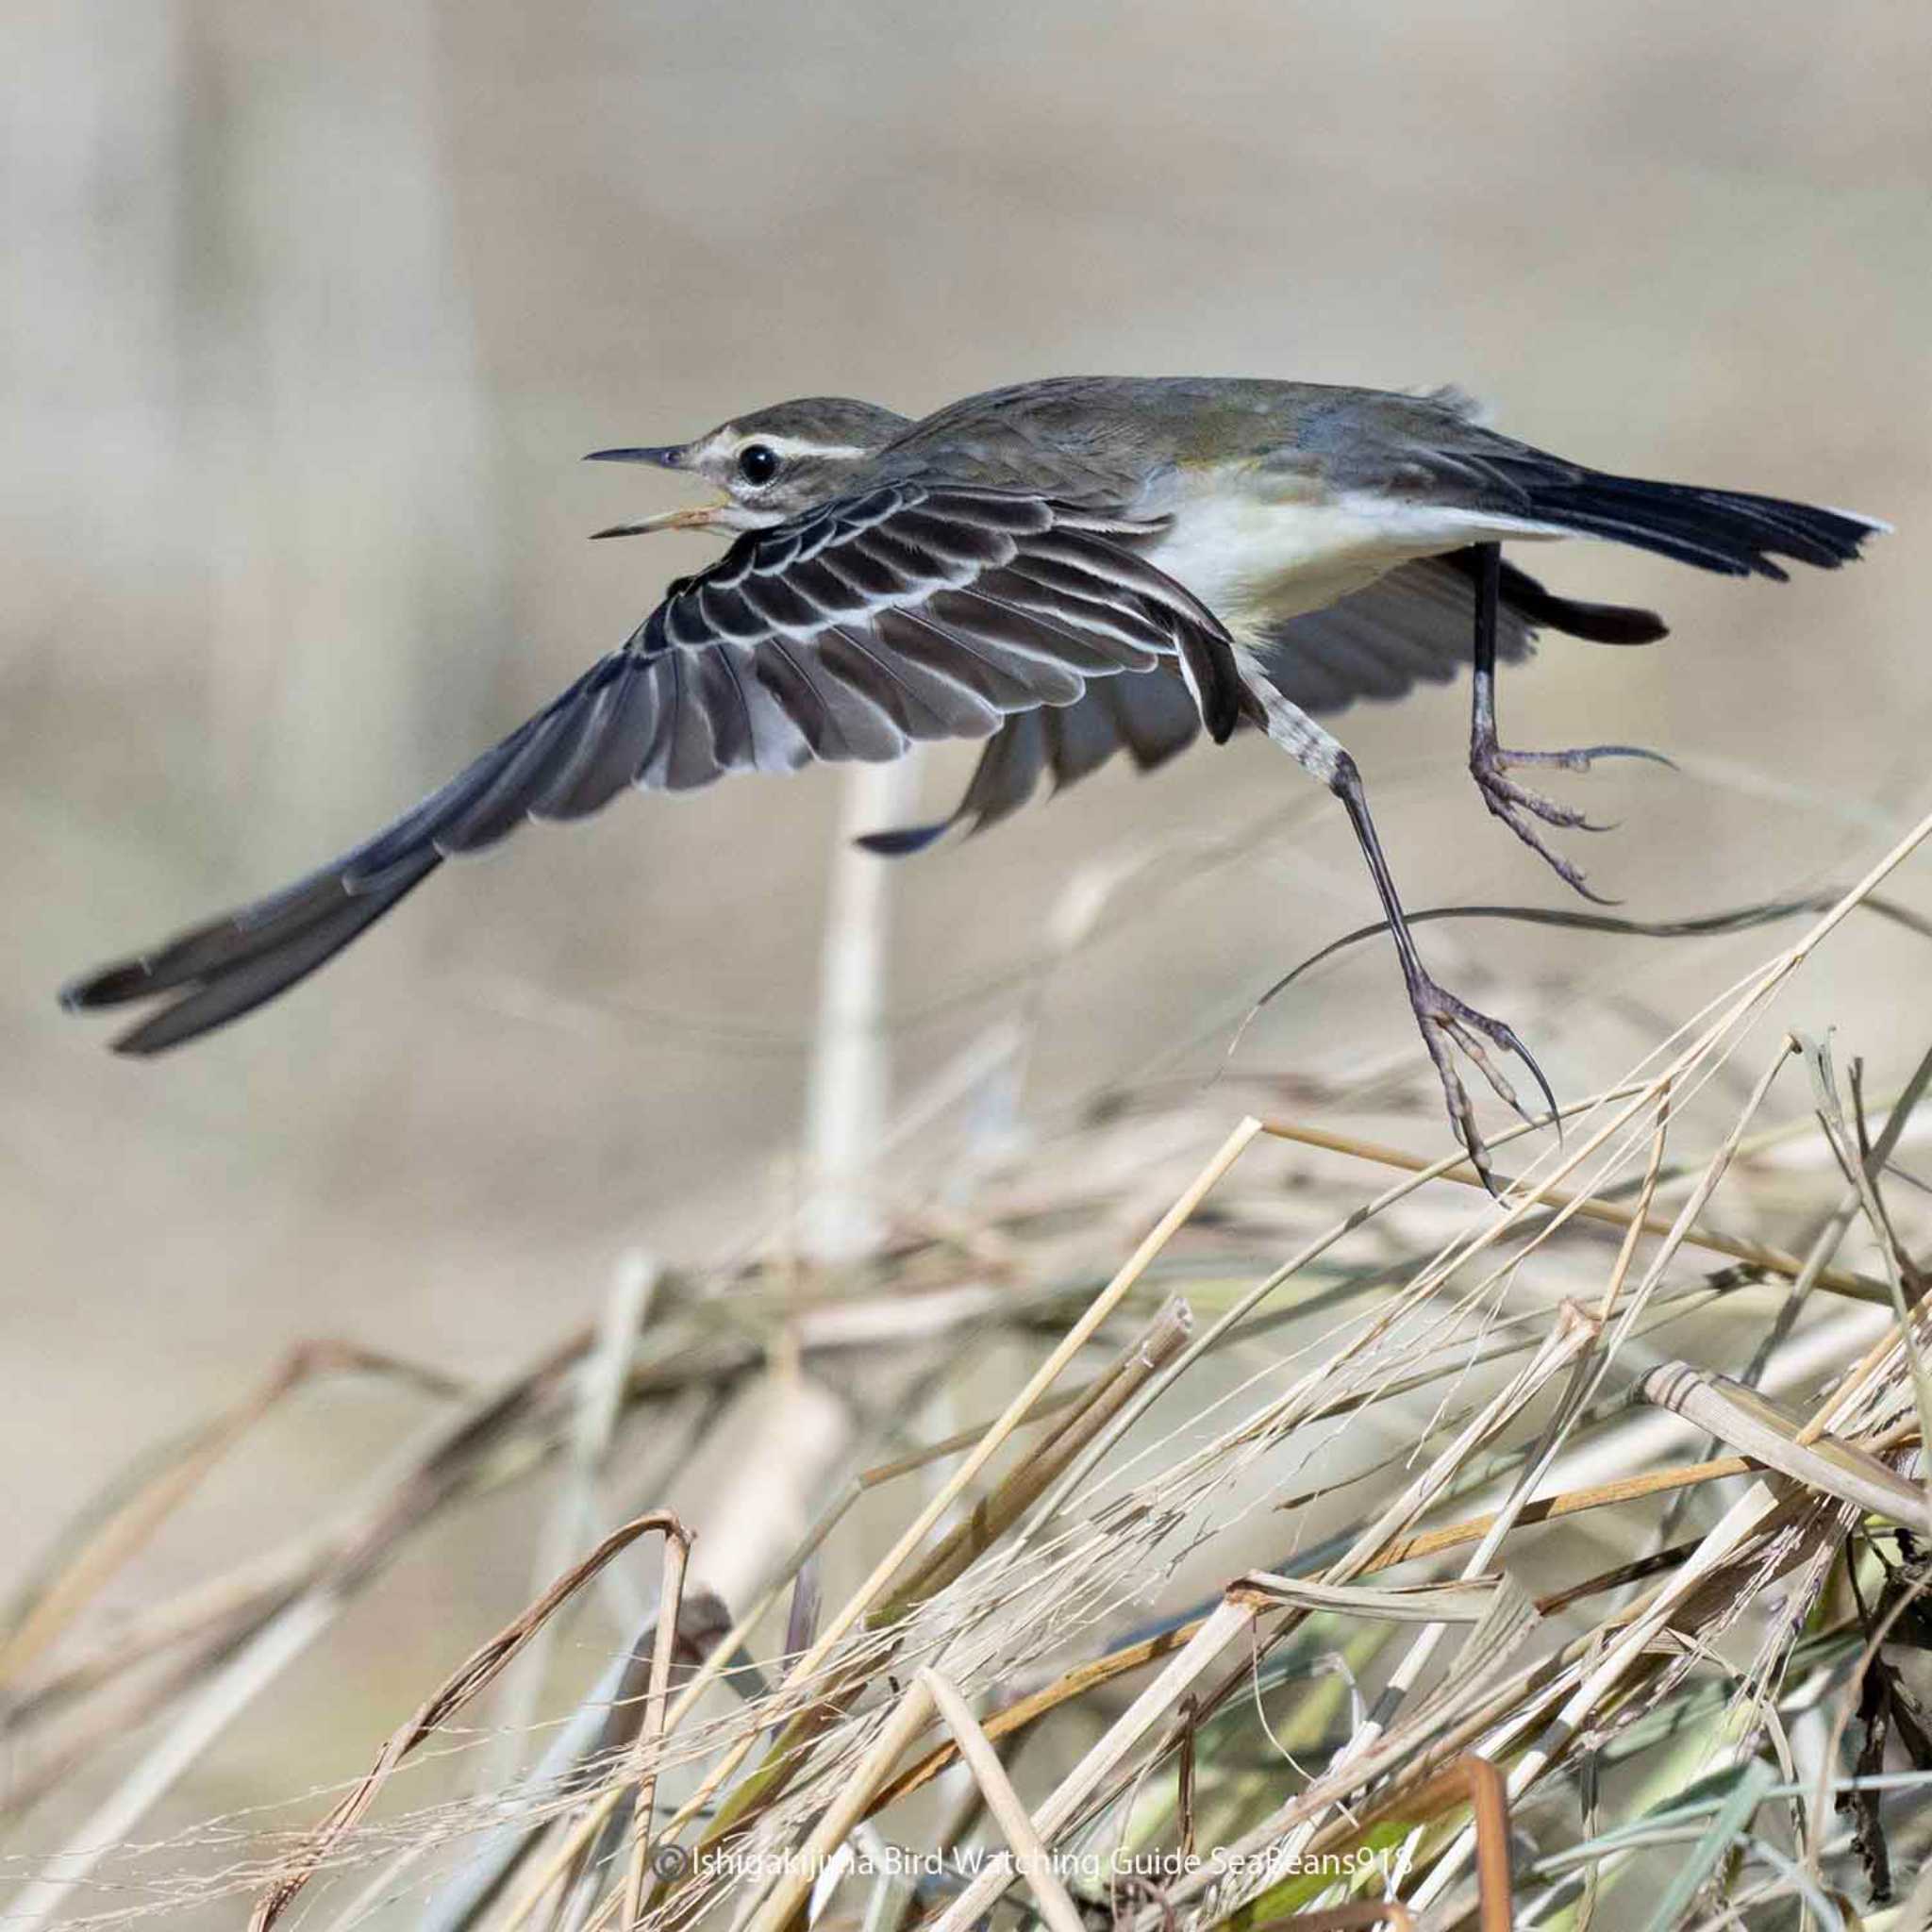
(1447, 1021)
(1516, 805)
(1506, 1037)
(1578, 759)
(1509, 801)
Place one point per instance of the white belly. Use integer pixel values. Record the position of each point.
(1256, 563)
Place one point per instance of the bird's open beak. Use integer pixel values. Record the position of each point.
(668, 456)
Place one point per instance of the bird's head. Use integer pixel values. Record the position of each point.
(770, 465)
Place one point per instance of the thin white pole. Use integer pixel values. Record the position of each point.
(851, 1071)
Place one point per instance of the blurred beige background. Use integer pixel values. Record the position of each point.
(312, 310)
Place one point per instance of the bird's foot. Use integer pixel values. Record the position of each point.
(1449, 1026)
(1515, 805)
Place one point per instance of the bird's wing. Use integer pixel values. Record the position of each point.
(907, 612)
(1152, 719)
(1414, 626)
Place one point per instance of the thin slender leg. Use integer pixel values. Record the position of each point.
(1446, 1023)
(1489, 763)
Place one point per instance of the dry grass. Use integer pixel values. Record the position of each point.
(1565, 1550)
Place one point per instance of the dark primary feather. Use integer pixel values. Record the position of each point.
(1412, 627)
(850, 632)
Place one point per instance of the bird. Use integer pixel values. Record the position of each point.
(1064, 570)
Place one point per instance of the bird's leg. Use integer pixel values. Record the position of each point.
(1489, 763)
(1447, 1024)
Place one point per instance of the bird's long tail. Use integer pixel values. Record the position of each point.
(1725, 530)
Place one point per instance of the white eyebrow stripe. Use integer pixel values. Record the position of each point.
(802, 446)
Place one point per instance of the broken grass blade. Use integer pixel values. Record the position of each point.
(1467, 1602)
(1744, 1421)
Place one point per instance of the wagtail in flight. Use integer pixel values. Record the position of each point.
(1061, 570)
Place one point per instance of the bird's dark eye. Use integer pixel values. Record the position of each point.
(758, 463)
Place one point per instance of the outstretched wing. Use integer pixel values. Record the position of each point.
(1412, 627)
(908, 612)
